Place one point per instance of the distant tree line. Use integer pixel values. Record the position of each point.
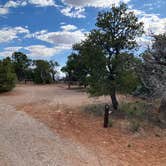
(20, 68)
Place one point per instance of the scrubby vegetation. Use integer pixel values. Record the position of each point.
(137, 113)
(7, 75)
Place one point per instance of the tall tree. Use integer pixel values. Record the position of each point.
(74, 69)
(53, 69)
(115, 33)
(42, 73)
(21, 64)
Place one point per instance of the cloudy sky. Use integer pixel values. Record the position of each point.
(46, 29)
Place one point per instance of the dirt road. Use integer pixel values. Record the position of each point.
(52, 94)
(25, 141)
(42, 125)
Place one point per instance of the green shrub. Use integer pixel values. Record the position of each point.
(136, 109)
(7, 75)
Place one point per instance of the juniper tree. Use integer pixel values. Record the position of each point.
(116, 31)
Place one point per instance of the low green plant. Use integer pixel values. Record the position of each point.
(134, 125)
(135, 109)
(110, 122)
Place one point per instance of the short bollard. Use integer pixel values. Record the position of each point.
(106, 115)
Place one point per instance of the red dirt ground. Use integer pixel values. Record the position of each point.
(116, 143)
(145, 148)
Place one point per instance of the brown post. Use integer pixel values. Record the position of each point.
(106, 115)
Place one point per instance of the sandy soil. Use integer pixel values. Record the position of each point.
(58, 109)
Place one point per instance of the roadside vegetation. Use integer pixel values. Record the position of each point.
(7, 75)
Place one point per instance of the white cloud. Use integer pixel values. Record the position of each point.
(35, 51)
(68, 27)
(4, 54)
(76, 9)
(8, 34)
(93, 3)
(38, 3)
(7, 52)
(4, 11)
(61, 40)
(13, 49)
(74, 12)
(64, 37)
(15, 4)
(42, 3)
(153, 24)
(41, 51)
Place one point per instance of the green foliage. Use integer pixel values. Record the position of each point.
(42, 73)
(102, 55)
(127, 82)
(141, 111)
(7, 75)
(21, 64)
(135, 109)
(75, 69)
(127, 79)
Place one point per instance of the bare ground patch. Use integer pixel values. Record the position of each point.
(114, 144)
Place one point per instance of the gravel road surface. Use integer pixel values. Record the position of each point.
(26, 142)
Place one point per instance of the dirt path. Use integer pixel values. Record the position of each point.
(26, 142)
(71, 137)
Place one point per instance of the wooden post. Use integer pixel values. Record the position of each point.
(106, 115)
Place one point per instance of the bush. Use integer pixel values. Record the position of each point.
(7, 75)
(136, 109)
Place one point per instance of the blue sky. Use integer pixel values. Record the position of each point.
(46, 29)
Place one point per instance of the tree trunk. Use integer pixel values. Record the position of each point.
(114, 99)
